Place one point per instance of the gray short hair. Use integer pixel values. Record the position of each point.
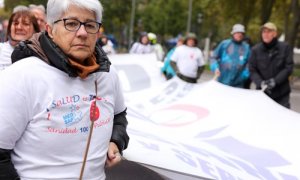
(20, 8)
(56, 8)
(40, 7)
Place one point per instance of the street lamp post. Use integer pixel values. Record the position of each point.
(133, 2)
(188, 28)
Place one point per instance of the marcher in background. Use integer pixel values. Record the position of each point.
(157, 47)
(106, 46)
(271, 63)
(142, 46)
(62, 111)
(102, 34)
(167, 69)
(230, 59)
(40, 14)
(3, 32)
(248, 82)
(21, 26)
(187, 60)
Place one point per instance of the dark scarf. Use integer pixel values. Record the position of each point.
(40, 45)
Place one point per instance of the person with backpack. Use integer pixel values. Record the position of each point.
(230, 59)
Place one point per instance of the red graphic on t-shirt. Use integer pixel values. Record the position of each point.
(192, 56)
(48, 114)
(94, 111)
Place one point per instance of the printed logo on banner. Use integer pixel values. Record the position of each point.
(222, 158)
(178, 115)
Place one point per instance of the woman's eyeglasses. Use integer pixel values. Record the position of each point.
(73, 25)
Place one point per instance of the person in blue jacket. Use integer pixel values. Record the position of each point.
(167, 69)
(230, 59)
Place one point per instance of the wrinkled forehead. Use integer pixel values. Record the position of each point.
(79, 12)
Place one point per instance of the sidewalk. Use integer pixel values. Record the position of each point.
(295, 83)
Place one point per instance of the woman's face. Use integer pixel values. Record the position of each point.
(145, 40)
(21, 29)
(77, 45)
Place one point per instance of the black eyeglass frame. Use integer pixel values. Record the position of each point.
(80, 23)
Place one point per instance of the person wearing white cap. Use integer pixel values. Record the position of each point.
(271, 63)
(230, 58)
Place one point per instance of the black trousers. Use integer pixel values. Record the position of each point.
(187, 79)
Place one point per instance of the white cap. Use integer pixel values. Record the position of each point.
(151, 36)
(270, 26)
(238, 28)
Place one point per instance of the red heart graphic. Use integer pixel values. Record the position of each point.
(94, 111)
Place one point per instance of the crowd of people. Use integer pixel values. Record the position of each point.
(62, 111)
(236, 62)
(63, 51)
(233, 62)
(268, 64)
(22, 24)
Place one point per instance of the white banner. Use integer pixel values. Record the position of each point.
(208, 130)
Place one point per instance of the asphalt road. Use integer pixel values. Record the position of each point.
(295, 100)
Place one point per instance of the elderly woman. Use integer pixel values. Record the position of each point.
(21, 26)
(63, 116)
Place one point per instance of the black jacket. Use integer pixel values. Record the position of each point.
(41, 45)
(276, 62)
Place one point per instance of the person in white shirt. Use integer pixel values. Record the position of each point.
(22, 24)
(62, 110)
(107, 45)
(143, 46)
(187, 60)
(157, 48)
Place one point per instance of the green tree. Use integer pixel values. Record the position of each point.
(168, 18)
(116, 18)
(292, 29)
(10, 4)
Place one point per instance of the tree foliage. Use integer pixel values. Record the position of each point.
(168, 18)
(10, 4)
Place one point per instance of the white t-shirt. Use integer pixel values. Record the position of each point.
(5, 55)
(158, 49)
(188, 59)
(139, 48)
(108, 49)
(45, 119)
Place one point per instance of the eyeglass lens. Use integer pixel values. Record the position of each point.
(74, 25)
